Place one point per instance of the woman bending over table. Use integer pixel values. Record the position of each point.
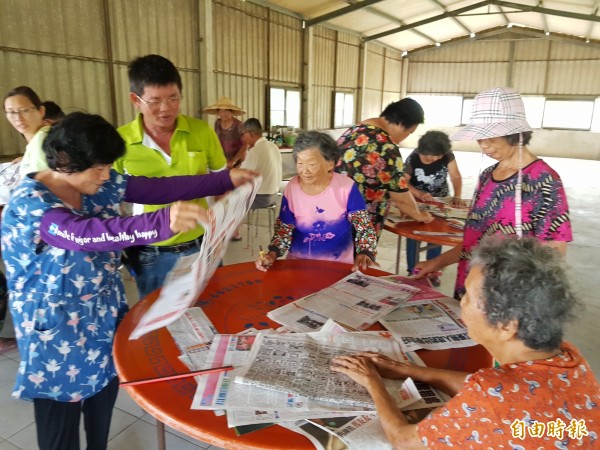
(320, 210)
(61, 241)
(543, 394)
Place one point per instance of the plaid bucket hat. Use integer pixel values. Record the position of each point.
(496, 112)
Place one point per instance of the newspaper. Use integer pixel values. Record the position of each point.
(193, 333)
(300, 364)
(191, 274)
(429, 324)
(358, 433)
(9, 179)
(356, 301)
(225, 350)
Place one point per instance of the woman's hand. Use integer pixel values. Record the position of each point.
(390, 368)
(241, 176)
(363, 262)
(265, 260)
(424, 217)
(424, 268)
(458, 202)
(426, 197)
(185, 216)
(359, 368)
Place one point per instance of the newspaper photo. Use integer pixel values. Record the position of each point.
(356, 301)
(428, 324)
(191, 275)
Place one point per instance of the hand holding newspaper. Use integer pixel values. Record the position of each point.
(192, 273)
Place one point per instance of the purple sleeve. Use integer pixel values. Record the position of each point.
(356, 202)
(158, 191)
(63, 229)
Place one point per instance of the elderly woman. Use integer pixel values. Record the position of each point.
(25, 112)
(320, 210)
(543, 394)
(61, 241)
(520, 195)
(229, 129)
(371, 157)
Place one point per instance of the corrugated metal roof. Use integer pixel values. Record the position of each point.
(416, 25)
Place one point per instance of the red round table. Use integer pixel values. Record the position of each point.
(237, 297)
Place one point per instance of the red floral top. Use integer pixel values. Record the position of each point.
(373, 161)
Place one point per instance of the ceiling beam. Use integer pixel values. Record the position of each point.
(393, 19)
(458, 22)
(340, 12)
(445, 15)
(542, 10)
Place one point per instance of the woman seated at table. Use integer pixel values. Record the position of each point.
(517, 302)
(519, 195)
(320, 210)
(61, 242)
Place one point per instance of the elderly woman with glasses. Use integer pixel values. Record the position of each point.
(25, 112)
(323, 216)
(542, 394)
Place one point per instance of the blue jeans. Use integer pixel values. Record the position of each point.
(411, 248)
(153, 267)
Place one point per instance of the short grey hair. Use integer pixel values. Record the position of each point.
(526, 281)
(252, 125)
(308, 140)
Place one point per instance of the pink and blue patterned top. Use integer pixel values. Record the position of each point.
(320, 226)
(544, 211)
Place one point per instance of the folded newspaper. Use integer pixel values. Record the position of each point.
(356, 301)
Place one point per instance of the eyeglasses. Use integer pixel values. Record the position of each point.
(156, 104)
(23, 112)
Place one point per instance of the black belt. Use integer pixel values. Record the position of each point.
(175, 248)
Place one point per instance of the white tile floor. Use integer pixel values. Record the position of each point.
(134, 429)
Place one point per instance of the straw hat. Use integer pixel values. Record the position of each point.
(497, 112)
(224, 103)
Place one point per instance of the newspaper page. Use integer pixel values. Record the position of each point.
(358, 433)
(300, 364)
(225, 350)
(405, 393)
(428, 324)
(317, 436)
(356, 301)
(191, 275)
(9, 179)
(193, 333)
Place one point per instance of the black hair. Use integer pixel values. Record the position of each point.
(513, 139)
(434, 143)
(406, 112)
(526, 281)
(25, 91)
(81, 141)
(52, 111)
(316, 140)
(152, 70)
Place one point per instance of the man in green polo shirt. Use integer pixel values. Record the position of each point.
(161, 142)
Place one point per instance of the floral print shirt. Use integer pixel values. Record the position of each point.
(373, 161)
(65, 304)
(541, 404)
(544, 211)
